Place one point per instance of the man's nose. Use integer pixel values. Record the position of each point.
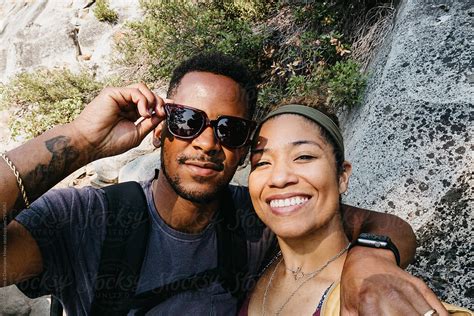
(207, 141)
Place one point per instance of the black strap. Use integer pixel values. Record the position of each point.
(56, 308)
(231, 248)
(231, 270)
(143, 302)
(123, 250)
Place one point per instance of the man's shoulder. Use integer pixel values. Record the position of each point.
(241, 197)
(70, 194)
(253, 227)
(239, 192)
(65, 205)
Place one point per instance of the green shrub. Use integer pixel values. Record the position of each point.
(289, 61)
(104, 13)
(294, 50)
(172, 31)
(45, 98)
(345, 84)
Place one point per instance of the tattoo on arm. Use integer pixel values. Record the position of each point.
(44, 176)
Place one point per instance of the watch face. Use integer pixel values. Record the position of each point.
(374, 237)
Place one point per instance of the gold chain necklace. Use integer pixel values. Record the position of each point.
(309, 277)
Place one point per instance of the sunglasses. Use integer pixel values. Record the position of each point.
(187, 123)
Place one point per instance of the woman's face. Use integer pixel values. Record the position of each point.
(293, 182)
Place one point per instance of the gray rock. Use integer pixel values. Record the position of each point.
(38, 34)
(410, 143)
(13, 302)
(107, 169)
(241, 175)
(140, 169)
(40, 307)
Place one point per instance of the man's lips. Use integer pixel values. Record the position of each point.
(286, 204)
(206, 165)
(204, 168)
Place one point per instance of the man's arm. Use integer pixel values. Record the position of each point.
(357, 221)
(106, 127)
(371, 281)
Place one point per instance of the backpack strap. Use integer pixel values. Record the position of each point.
(231, 248)
(123, 250)
(231, 269)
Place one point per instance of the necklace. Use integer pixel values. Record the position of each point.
(298, 274)
(301, 274)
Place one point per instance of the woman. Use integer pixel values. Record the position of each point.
(298, 173)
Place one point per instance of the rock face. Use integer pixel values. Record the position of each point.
(410, 143)
(41, 33)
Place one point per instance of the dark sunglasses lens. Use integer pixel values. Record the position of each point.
(184, 122)
(232, 132)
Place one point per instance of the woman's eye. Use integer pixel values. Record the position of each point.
(305, 157)
(259, 164)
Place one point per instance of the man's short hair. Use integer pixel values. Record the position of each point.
(219, 64)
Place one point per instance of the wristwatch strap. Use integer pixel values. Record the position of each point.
(377, 241)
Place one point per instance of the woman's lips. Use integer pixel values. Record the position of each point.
(287, 204)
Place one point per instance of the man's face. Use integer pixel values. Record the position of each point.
(198, 169)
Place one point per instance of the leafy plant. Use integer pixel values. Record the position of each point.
(172, 31)
(45, 98)
(345, 84)
(104, 13)
(294, 48)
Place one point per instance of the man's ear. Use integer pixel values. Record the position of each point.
(344, 176)
(157, 134)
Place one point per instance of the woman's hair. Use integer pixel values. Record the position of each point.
(319, 103)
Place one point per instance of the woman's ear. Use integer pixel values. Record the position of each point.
(157, 135)
(344, 176)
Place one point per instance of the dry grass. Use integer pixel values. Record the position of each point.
(376, 25)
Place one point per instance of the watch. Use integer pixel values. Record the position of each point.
(377, 241)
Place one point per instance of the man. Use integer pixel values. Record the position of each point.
(202, 143)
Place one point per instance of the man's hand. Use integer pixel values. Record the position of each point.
(107, 124)
(372, 284)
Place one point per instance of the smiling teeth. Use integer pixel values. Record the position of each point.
(288, 202)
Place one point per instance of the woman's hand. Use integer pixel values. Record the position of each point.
(372, 284)
(107, 124)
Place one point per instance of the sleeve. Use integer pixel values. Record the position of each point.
(68, 225)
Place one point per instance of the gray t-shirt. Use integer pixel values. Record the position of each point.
(69, 227)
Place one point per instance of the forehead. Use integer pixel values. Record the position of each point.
(214, 94)
(286, 129)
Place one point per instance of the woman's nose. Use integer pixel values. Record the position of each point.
(282, 175)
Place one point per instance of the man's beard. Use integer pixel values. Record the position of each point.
(193, 196)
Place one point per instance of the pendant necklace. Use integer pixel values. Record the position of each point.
(297, 274)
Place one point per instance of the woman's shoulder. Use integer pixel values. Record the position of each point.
(457, 311)
(331, 306)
